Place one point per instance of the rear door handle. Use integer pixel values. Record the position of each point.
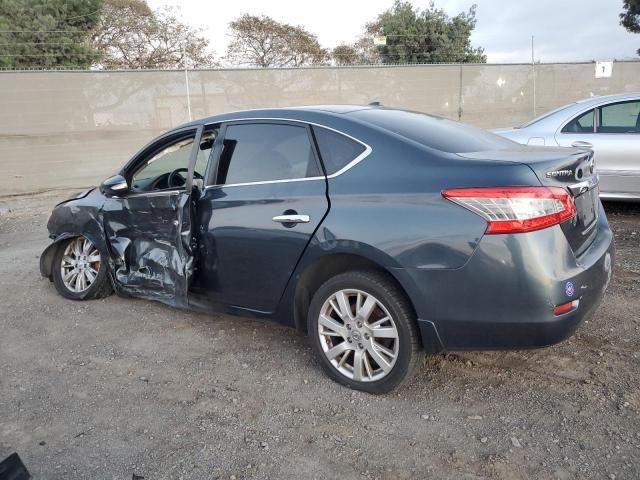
(291, 218)
(581, 143)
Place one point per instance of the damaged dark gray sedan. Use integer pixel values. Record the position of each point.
(378, 232)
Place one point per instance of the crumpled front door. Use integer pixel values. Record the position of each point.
(149, 235)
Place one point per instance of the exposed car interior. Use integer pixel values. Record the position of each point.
(167, 169)
(581, 124)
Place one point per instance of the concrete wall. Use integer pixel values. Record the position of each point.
(72, 129)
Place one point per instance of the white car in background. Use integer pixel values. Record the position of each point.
(609, 125)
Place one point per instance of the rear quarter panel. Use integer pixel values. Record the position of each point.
(392, 202)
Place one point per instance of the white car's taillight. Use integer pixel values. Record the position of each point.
(515, 209)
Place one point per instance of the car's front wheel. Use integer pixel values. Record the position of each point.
(363, 332)
(79, 270)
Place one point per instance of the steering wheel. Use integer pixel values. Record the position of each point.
(177, 180)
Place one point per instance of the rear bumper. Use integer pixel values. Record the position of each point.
(503, 297)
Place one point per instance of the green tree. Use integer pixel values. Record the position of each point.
(425, 36)
(132, 35)
(47, 33)
(630, 18)
(264, 42)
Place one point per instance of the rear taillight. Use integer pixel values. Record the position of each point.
(515, 209)
(565, 307)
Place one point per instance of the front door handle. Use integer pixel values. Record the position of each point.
(291, 218)
(582, 143)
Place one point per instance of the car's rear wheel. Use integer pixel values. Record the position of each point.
(79, 270)
(363, 332)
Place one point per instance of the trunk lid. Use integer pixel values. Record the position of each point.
(570, 168)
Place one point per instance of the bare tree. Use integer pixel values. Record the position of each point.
(366, 50)
(131, 35)
(264, 42)
(344, 55)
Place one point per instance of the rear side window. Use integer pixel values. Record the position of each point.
(336, 150)
(581, 124)
(620, 118)
(263, 152)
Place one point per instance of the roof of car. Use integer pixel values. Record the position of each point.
(360, 122)
(600, 99)
(293, 113)
(609, 98)
(565, 112)
(336, 108)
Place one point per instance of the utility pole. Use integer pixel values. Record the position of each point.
(460, 94)
(186, 81)
(533, 75)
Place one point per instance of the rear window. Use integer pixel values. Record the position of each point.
(581, 124)
(545, 115)
(435, 132)
(336, 150)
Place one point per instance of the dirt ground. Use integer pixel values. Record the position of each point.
(111, 388)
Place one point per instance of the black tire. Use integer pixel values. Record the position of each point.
(100, 288)
(396, 304)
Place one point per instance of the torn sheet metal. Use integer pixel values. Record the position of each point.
(79, 215)
(149, 237)
(146, 237)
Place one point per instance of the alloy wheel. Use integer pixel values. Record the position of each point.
(80, 264)
(358, 335)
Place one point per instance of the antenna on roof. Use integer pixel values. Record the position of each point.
(375, 103)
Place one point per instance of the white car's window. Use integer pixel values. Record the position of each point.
(583, 123)
(620, 118)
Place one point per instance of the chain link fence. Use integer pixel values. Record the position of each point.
(73, 128)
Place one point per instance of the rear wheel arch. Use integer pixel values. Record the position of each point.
(328, 266)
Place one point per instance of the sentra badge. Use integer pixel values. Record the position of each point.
(559, 173)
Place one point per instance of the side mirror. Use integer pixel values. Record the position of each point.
(114, 186)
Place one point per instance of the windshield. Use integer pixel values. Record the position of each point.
(544, 115)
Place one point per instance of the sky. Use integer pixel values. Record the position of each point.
(563, 30)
